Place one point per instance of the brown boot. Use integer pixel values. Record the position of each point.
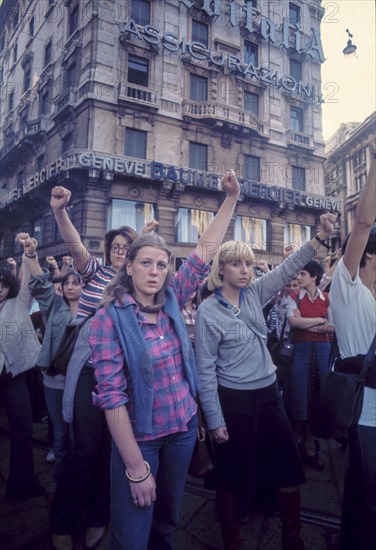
(289, 509)
(228, 508)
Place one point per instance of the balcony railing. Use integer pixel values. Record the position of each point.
(36, 126)
(220, 112)
(138, 94)
(65, 100)
(298, 138)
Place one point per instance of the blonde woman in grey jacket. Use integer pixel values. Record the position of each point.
(19, 350)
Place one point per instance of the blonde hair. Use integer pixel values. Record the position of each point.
(228, 252)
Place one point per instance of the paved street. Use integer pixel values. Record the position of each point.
(23, 526)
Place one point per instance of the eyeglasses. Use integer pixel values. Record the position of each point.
(119, 248)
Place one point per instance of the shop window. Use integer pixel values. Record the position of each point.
(251, 168)
(198, 88)
(200, 32)
(251, 102)
(138, 70)
(296, 235)
(294, 14)
(135, 143)
(47, 54)
(198, 156)
(250, 53)
(251, 230)
(134, 214)
(140, 12)
(296, 70)
(296, 119)
(298, 176)
(190, 224)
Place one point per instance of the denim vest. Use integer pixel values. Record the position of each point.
(138, 360)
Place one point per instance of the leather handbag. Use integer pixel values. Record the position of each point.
(341, 398)
(60, 362)
(202, 461)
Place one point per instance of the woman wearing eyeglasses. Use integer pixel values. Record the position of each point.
(85, 479)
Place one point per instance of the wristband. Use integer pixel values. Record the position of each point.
(31, 255)
(323, 243)
(139, 479)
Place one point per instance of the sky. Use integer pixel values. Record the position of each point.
(348, 82)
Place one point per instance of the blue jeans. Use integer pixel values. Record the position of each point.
(134, 528)
(62, 441)
(14, 396)
(295, 392)
(85, 479)
(358, 521)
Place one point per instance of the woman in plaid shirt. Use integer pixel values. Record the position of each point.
(147, 382)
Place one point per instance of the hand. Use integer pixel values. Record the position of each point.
(149, 226)
(230, 184)
(60, 196)
(144, 492)
(51, 261)
(30, 246)
(67, 260)
(220, 435)
(21, 238)
(327, 222)
(261, 264)
(12, 263)
(296, 313)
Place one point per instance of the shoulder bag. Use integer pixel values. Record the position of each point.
(341, 397)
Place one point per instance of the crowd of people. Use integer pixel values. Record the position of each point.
(153, 344)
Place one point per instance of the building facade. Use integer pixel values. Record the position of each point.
(346, 168)
(138, 107)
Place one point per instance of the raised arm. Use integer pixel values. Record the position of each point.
(214, 234)
(364, 219)
(60, 197)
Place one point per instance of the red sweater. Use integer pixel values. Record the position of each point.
(318, 308)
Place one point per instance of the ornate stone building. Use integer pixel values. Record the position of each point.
(139, 106)
(346, 168)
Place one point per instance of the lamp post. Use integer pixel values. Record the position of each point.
(350, 48)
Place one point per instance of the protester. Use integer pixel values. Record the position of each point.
(57, 312)
(149, 404)
(85, 479)
(353, 297)
(19, 350)
(239, 394)
(309, 315)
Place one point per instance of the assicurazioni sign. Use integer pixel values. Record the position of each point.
(159, 172)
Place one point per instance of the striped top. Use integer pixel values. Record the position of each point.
(95, 278)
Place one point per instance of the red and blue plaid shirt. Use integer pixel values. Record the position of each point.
(173, 404)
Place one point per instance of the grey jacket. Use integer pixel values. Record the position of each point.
(19, 345)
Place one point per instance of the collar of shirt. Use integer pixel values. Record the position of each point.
(318, 294)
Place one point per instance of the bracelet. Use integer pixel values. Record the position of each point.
(139, 479)
(31, 255)
(327, 246)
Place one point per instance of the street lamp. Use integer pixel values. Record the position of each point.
(350, 48)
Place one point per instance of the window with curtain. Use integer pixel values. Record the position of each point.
(251, 102)
(200, 32)
(250, 53)
(251, 230)
(138, 70)
(140, 12)
(298, 176)
(296, 119)
(198, 87)
(190, 224)
(135, 143)
(198, 156)
(296, 234)
(251, 168)
(131, 213)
